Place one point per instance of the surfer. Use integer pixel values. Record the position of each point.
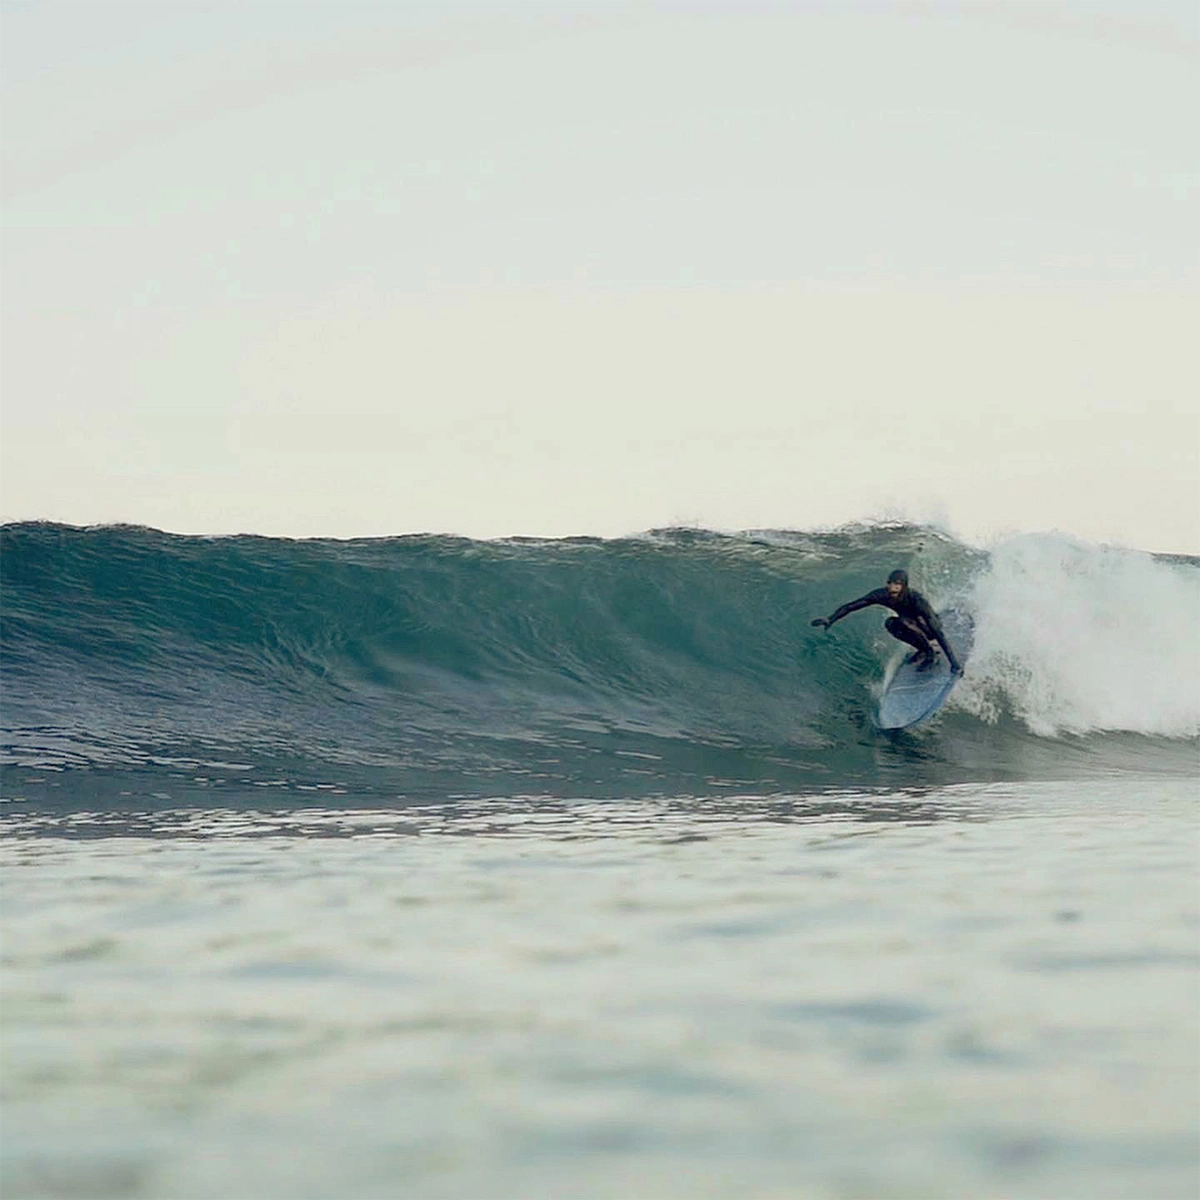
(915, 621)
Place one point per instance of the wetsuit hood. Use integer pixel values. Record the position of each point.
(898, 577)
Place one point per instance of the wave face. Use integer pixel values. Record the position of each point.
(144, 663)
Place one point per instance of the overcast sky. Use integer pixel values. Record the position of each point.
(353, 268)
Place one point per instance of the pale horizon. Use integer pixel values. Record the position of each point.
(565, 269)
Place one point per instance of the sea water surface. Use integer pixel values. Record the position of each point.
(433, 868)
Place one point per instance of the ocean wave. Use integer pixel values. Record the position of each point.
(679, 660)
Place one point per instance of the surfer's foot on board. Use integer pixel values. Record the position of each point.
(925, 661)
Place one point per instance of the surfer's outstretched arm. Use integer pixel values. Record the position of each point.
(878, 596)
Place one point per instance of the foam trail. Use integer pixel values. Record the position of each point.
(1078, 638)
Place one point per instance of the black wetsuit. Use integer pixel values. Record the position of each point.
(915, 622)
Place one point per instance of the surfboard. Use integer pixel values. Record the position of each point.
(911, 695)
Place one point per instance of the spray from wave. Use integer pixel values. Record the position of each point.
(1075, 638)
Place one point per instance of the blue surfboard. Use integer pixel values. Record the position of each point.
(911, 695)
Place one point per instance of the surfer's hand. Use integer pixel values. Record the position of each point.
(821, 622)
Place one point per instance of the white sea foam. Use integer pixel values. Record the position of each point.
(1076, 638)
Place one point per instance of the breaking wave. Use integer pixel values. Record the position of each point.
(677, 661)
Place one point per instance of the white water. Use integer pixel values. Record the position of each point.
(1077, 638)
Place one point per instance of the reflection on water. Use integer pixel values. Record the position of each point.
(660, 819)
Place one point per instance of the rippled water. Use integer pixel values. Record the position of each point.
(983, 990)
